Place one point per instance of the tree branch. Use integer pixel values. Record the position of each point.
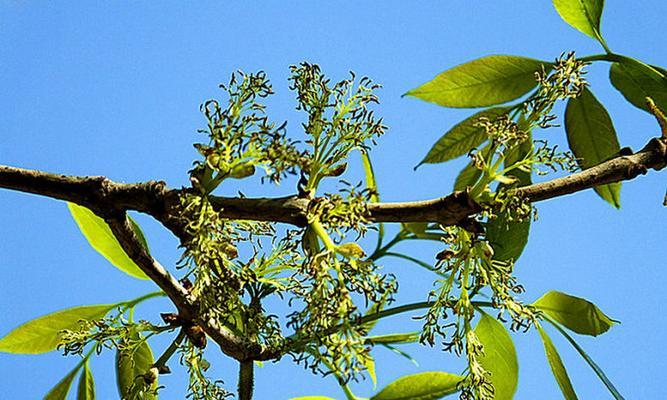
(111, 200)
(230, 344)
(621, 168)
(106, 197)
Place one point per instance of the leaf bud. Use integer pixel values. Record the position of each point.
(351, 250)
(242, 171)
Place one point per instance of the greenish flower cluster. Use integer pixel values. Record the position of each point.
(111, 333)
(200, 387)
(319, 275)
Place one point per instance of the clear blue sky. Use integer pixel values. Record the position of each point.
(114, 89)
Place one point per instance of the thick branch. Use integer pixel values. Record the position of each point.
(107, 197)
(111, 200)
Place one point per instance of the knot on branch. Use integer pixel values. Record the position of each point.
(193, 331)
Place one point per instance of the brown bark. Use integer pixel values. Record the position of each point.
(111, 200)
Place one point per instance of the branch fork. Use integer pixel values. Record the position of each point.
(111, 201)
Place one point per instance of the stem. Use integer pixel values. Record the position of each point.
(382, 251)
(416, 261)
(162, 361)
(610, 57)
(323, 235)
(246, 379)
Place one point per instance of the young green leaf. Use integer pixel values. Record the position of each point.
(400, 353)
(557, 367)
(422, 386)
(509, 238)
(468, 176)
(596, 368)
(394, 338)
(43, 334)
(463, 137)
(60, 391)
(577, 314)
(416, 228)
(131, 370)
(369, 363)
(484, 82)
(100, 237)
(592, 138)
(583, 15)
(140, 233)
(370, 176)
(86, 390)
(499, 357)
(636, 81)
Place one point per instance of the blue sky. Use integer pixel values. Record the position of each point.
(114, 89)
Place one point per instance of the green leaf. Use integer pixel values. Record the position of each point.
(499, 357)
(484, 82)
(60, 391)
(557, 367)
(100, 237)
(140, 234)
(598, 371)
(592, 138)
(42, 335)
(369, 363)
(577, 314)
(394, 338)
(130, 371)
(509, 238)
(636, 81)
(86, 389)
(400, 353)
(463, 137)
(416, 228)
(423, 386)
(583, 15)
(468, 176)
(312, 398)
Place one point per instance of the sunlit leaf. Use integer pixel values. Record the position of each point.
(484, 82)
(394, 338)
(370, 176)
(463, 137)
(400, 353)
(509, 238)
(596, 368)
(636, 81)
(592, 138)
(499, 357)
(130, 371)
(62, 388)
(577, 314)
(43, 334)
(369, 363)
(557, 367)
(86, 390)
(583, 15)
(468, 176)
(100, 237)
(423, 386)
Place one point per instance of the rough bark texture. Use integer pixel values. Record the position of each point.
(111, 200)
